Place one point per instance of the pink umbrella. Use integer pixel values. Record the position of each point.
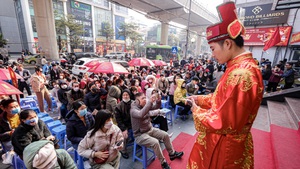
(8, 89)
(92, 63)
(140, 62)
(108, 67)
(159, 63)
(4, 75)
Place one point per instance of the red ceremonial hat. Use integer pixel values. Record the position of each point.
(229, 25)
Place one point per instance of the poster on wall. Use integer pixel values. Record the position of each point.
(258, 36)
(295, 38)
(119, 21)
(263, 15)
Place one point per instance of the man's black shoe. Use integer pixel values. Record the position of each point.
(176, 155)
(125, 155)
(165, 165)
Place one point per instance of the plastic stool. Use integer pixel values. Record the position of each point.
(42, 115)
(54, 104)
(23, 100)
(32, 103)
(165, 103)
(53, 124)
(47, 119)
(168, 115)
(36, 109)
(25, 107)
(18, 163)
(176, 115)
(144, 158)
(59, 132)
(78, 160)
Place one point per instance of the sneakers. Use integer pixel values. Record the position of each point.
(176, 155)
(165, 165)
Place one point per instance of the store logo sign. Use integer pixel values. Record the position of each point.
(256, 10)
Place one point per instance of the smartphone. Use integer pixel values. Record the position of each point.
(119, 142)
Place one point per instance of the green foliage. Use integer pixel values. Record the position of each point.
(3, 41)
(107, 32)
(130, 31)
(63, 22)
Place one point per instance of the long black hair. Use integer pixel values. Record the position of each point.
(100, 120)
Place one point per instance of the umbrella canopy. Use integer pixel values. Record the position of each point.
(92, 63)
(140, 62)
(159, 63)
(108, 67)
(4, 75)
(8, 89)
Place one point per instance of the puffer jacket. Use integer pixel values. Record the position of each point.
(180, 93)
(114, 94)
(26, 134)
(101, 141)
(122, 113)
(76, 129)
(143, 84)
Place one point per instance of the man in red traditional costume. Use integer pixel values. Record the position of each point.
(225, 117)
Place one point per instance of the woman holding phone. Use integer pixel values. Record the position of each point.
(103, 142)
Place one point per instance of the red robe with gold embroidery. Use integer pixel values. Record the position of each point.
(224, 118)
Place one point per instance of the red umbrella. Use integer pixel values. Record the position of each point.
(140, 62)
(92, 63)
(159, 63)
(4, 75)
(108, 67)
(8, 89)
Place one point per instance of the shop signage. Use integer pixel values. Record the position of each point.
(263, 15)
(295, 38)
(258, 36)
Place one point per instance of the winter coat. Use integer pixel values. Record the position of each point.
(180, 93)
(92, 100)
(114, 94)
(32, 149)
(101, 141)
(62, 95)
(191, 90)
(143, 84)
(26, 134)
(73, 96)
(76, 129)
(4, 127)
(122, 113)
(36, 82)
(163, 85)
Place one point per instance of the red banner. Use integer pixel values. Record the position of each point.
(13, 77)
(259, 36)
(295, 38)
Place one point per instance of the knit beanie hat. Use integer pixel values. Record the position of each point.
(45, 158)
(40, 154)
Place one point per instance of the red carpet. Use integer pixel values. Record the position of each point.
(263, 157)
(183, 142)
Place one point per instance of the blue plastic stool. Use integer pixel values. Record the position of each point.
(78, 160)
(60, 132)
(18, 163)
(47, 119)
(53, 124)
(168, 115)
(31, 103)
(36, 109)
(144, 158)
(42, 115)
(3, 148)
(176, 115)
(25, 107)
(54, 104)
(23, 100)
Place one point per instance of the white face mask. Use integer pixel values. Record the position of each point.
(108, 125)
(64, 86)
(126, 100)
(61, 77)
(76, 89)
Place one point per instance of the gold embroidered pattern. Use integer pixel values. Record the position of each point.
(194, 165)
(201, 140)
(240, 76)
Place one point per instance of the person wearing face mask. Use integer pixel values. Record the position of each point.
(144, 133)
(145, 85)
(122, 114)
(9, 120)
(113, 95)
(62, 97)
(103, 141)
(173, 87)
(38, 82)
(92, 98)
(136, 83)
(163, 86)
(30, 129)
(79, 121)
(151, 80)
(73, 95)
(54, 72)
(179, 97)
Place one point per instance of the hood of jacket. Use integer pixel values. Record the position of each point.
(143, 84)
(149, 93)
(114, 92)
(31, 150)
(153, 79)
(179, 82)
